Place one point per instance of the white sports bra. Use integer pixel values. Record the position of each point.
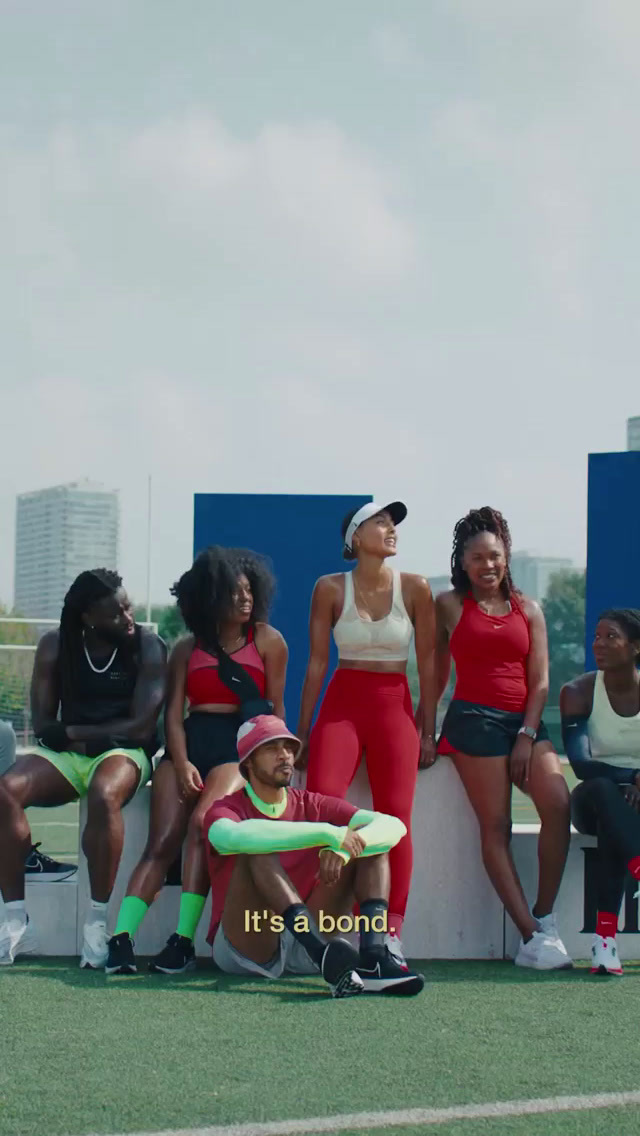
(373, 641)
(612, 737)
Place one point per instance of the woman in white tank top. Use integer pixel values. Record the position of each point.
(601, 731)
(374, 612)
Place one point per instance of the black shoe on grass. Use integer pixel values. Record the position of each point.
(178, 955)
(121, 959)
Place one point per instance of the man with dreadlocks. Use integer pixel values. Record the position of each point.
(601, 731)
(232, 664)
(493, 729)
(97, 689)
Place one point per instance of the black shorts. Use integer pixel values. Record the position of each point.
(481, 731)
(211, 740)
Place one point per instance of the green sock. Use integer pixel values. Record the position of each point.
(191, 906)
(132, 912)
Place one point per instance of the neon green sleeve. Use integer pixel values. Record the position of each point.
(379, 831)
(231, 838)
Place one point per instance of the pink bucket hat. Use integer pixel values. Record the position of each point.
(256, 731)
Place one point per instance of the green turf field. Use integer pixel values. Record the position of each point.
(522, 810)
(57, 829)
(82, 1053)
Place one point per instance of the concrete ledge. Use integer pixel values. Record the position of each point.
(54, 910)
(453, 911)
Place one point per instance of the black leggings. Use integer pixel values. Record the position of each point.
(598, 808)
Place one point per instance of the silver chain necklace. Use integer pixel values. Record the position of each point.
(375, 592)
(484, 606)
(97, 670)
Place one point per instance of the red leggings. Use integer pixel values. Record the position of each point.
(370, 711)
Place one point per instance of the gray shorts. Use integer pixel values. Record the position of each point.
(290, 958)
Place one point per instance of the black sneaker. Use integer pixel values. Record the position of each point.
(121, 959)
(178, 955)
(338, 968)
(383, 975)
(41, 869)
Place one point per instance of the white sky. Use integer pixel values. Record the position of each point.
(293, 247)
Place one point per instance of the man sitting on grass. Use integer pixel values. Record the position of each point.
(286, 864)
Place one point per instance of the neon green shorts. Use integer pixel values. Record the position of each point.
(79, 769)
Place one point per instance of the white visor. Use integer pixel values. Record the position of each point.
(397, 509)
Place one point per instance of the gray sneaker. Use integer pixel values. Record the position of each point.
(543, 953)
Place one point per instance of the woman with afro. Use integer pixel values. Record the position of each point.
(231, 664)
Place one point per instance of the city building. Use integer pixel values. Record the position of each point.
(633, 433)
(60, 532)
(532, 574)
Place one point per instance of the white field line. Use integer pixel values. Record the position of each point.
(367, 1121)
(58, 824)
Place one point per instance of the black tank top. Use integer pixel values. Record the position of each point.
(99, 698)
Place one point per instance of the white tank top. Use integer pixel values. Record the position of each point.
(373, 641)
(613, 738)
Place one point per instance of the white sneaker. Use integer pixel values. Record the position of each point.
(542, 953)
(604, 956)
(550, 927)
(395, 949)
(16, 938)
(95, 947)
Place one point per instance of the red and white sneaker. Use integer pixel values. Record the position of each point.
(604, 956)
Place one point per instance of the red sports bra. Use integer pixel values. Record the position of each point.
(490, 653)
(204, 686)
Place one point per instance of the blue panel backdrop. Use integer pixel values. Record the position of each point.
(301, 536)
(613, 537)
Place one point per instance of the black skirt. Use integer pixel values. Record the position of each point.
(211, 740)
(483, 731)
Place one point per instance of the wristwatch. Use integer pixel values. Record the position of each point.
(528, 732)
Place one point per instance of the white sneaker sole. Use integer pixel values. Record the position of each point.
(155, 969)
(49, 877)
(526, 965)
(412, 984)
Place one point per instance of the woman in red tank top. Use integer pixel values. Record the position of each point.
(224, 600)
(493, 729)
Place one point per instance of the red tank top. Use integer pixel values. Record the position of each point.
(490, 653)
(204, 685)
